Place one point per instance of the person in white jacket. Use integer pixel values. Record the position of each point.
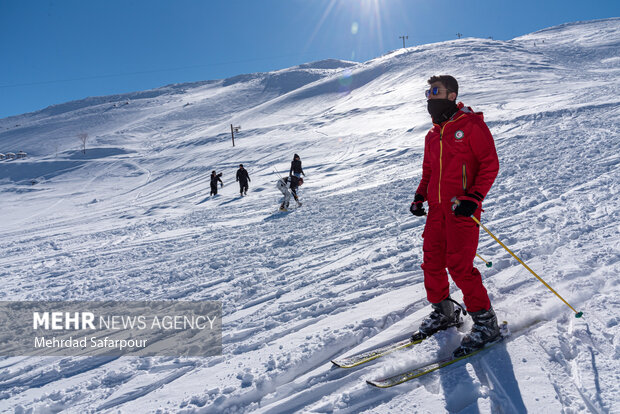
(283, 185)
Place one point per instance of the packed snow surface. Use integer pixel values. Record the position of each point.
(131, 219)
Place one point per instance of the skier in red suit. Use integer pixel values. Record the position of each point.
(459, 167)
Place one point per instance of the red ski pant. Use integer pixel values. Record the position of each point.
(451, 242)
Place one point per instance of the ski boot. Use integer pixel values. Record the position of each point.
(442, 317)
(485, 330)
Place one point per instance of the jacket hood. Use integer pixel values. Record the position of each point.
(468, 110)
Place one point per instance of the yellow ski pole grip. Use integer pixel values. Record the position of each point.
(577, 314)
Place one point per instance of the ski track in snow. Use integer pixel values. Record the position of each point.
(131, 220)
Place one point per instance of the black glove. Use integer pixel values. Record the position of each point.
(465, 206)
(417, 206)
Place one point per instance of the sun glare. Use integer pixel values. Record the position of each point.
(363, 19)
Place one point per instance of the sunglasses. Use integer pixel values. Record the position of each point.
(434, 91)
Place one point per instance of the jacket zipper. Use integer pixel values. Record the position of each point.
(441, 152)
(440, 166)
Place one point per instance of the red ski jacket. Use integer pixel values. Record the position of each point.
(459, 159)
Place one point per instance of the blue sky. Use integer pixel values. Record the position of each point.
(56, 51)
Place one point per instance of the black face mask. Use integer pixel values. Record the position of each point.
(441, 109)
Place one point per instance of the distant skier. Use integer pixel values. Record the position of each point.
(214, 179)
(242, 178)
(460, 165)
(283, 185)
(295, 174)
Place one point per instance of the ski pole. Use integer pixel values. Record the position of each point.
(577, 314)
(277, 172)
(489, 264)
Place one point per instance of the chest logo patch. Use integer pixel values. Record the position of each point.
(459, 134)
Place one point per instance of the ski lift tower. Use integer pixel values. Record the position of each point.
(403, 37)
(234, 129)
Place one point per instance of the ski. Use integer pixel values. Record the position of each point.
(434, 366)
(364, 357)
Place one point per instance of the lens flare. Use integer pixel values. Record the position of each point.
(349, 16)
(344, 81)
(346, 78)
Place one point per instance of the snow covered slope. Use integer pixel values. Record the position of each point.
(131, 219)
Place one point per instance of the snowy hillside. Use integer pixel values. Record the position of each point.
(131, 219)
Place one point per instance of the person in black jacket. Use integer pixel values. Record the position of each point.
(295, 174)
(242, 178)
(214, 179)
